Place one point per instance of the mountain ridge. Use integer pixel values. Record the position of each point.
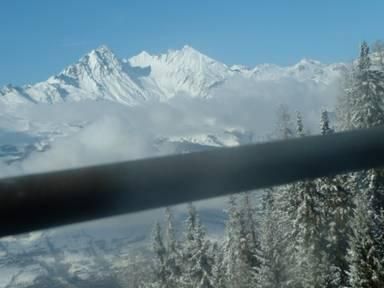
(101, 75)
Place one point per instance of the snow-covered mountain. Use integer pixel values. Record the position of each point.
(101, 75)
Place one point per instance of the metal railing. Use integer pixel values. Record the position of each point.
(51, 199)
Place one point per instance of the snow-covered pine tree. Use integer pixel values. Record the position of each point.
(189, 235)
(310, 239)
(218, 268)
(285, 127)
(344, 102)
(306, 217)
(365, 96)
(273, 266)
(366, 93)
(239, 272)
(197, 260)
(361, 104)
(286, 195)
(324, 123)
(231, 244)
(337, 211)
(285, 205)
(189, 245)
(286, 201)
(250, 243)
(202, 261)
(249, 220)
(299, 125)
(375, 189)
(365, 253)
(376, 181)
(159, 279)
(172, 257)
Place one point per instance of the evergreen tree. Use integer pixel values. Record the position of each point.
(366, 93)
(189, 237)
(361, 105)
(250, 242)
(250, 233)
(299, 125)
(337, 214)
(285, 127)
(365, 97)
(172, 256)
(202, 260)
(218, 268)
(286, 202)
(307, 247)
(198, 261)
(375, 190)
(310, 241)
(273, 267)
(160, 272)
(324, 123)
(337, 211)
(376, 180)
(231, 244)
(344, 109)
(365, 254)
(238, 255)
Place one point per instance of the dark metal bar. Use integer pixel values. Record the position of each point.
(41, 201)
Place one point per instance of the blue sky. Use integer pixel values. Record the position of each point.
(39, 38)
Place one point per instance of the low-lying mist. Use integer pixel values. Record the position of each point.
(94, 132)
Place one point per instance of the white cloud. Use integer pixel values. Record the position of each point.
(92, 132)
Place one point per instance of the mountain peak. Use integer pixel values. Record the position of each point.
(99, 61)
(144, 54)
(187, 48)
(189, 52)
(139, 59)
(102, 53)
(103, 49)
(308, 61)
